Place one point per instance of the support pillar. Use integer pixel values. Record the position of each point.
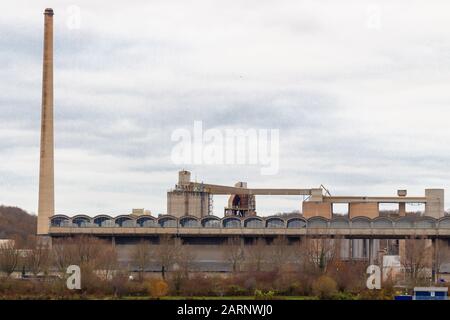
(350, 249)
(371, 261)
(435, 259)
(402, 209)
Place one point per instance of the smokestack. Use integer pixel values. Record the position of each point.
(46, 207)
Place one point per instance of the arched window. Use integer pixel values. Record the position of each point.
(59, 221)
(404, 222)
(361, 222)
(189, 222)
(231, 223)
(82, 221)
(317, 222)
(382, 223)
(296, 223)
(125, 222)
(340, 223)
(98, 220)
(211, 222)
(444, 223)
(146, 222)
(426, 222)
(275, 223)
(167, 222)
(253, 223)
(108, 224)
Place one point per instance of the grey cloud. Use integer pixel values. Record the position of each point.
(334, 88)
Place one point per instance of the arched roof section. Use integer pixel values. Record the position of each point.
(145, 221)
(426, 222)
(60, 216)
(189, 222)
(404, 222)
(253, 222)
(297, 222)
(317, 222)
(125, 221)
(82, 216)
(60, 220)
(340, 222)
(211, 222)
(82, 220)
(275, 222)
(231, 222)
(100, 218)
(382, 222)
(167, 221)
(444, 222)
(361, 222)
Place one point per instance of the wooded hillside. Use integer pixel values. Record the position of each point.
(16, 223)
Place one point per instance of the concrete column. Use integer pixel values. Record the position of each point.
(46, 206)
(344, 249)
(401, 242)
(357, 248)
(402, 209)
(350, 249)
(371, 260)
(434, 260)
(435, 203)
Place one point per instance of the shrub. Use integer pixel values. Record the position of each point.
(157, 288)
(382, 294)
(236, 290)
(261, 295)
(344, 296)
(202, 285)
(117, 286)
(324, 287)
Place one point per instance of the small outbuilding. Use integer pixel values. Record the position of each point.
(430, 293)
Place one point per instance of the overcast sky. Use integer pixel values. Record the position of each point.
(359, 91)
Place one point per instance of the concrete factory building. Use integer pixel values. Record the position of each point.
(195, 199)
(189, 206)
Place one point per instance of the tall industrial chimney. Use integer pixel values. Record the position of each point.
(46, 207)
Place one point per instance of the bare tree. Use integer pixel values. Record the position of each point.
(37, 257)
(256, 254)
(107, 261)
(442, 255)
(234, 253)
(60, 255)
(166, 253)
(318, 253)
(93, 255)
(185, 261)
(279, 253)
(141, 257)
(9, 256)
(416, 260)
(184, 264)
